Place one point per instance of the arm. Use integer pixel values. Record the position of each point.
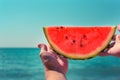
(55, 75)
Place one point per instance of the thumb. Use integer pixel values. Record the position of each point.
(118, 27)
(117, 39)
(43, 47)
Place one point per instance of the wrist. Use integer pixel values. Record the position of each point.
(55, 75)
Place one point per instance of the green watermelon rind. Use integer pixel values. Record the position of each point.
(74, 57)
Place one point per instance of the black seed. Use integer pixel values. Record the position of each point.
(74, 41)
(61, 27)
(84, 36)
(81, 45)
(66, 37)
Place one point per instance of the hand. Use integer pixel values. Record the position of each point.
(52, 61)
(114, 48)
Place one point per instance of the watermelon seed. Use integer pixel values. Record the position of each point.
(61, 27)
(81, 45)
(66, 37)
(74, 41)
(84, 36)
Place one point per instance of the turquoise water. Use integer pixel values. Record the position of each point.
(25, 64)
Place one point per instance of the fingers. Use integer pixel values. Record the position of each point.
(103, 54)
(49, 48)
(106, 51)
(46, 57)
(118, 27)
(51, 51)
(46, 50)
(51, 60)
(50, 63)
(43, 47)
(114, 37)
(111, 45)
(117, 39)
(61, 59)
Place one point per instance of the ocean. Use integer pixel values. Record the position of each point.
(25, 64)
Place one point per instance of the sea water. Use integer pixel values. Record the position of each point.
(25, 64)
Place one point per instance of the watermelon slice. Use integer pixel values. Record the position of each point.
(79, 42)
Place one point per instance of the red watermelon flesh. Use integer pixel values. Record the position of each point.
(79, 42)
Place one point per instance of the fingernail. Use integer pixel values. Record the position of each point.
(39, 45)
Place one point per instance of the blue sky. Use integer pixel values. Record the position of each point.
(21, 21)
